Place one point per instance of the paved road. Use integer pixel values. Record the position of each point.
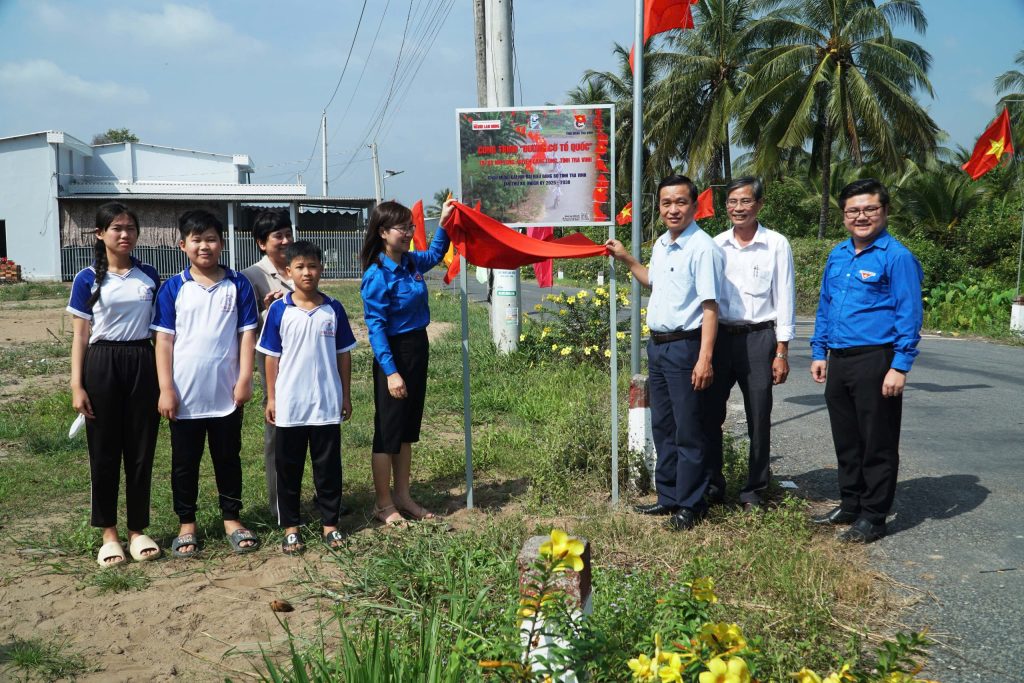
(958, 512)
(957, 530)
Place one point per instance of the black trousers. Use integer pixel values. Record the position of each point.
(681, 474)
(324, 443)
(744, 359)
(187, 441)
(397, 420)
(865, 430)
(120, 379)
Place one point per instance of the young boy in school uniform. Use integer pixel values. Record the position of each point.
(206, 323)
(307, 341)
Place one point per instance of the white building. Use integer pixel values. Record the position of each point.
(52, 183)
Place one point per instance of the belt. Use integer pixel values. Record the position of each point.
(857, 350)
(665, 337)
(144, 342)
(745, 329)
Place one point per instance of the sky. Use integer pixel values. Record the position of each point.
(253, 76)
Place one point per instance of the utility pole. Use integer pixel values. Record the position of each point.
(506, 299)
(479, 26)
(638, 175)
(377, 189)
(323, 163)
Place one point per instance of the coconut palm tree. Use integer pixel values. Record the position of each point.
(832, 73)
(705, 71)
(1010, 84)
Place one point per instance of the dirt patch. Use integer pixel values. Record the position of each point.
(37, 320)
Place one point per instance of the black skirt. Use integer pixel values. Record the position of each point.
(397, 420)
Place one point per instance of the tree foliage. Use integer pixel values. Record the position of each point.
(114, 135)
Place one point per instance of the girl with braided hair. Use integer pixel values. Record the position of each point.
(113, 380)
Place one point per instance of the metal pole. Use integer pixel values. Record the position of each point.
(231, 236)
(507, 295)
(479, 40)
(377, 190)
(323, 163)
(637, 196)
(613, 314)
(467, 413)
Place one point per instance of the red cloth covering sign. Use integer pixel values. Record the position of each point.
(542, 270)
(487, 243)
(419, 235)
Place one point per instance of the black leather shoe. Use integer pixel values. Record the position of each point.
(863, 531)
(714, 495)
(656, 509)
(684, 519)
(836, 516)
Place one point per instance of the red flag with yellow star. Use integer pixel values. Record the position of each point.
(626, 215)
(992, 145)
(419, 235)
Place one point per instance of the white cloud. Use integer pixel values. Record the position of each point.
(179, 27)
(39, 76)
(984, 94)
(51, 16)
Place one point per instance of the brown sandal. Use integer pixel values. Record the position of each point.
(424, 513)
(384, 516)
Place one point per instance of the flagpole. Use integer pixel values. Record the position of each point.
(637, 198)
(466, 409)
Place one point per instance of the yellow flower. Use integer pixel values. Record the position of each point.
(566, 350)
(723, 638)
(571, 300)
(607, 353)
(538, 307)
(841, 676)
(545, 332)
(643, 311)
(554, 347)
(620, 335)
(643, 668)
(564, 550)
(719, 671)
(586, 350)
(600, 291)
(703, 589)
(672, 671)
(805, 675)
(562, 311)
(528, 605)
(644, 330)
(522, 337)
(583, 294)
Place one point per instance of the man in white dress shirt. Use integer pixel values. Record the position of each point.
(756, 324)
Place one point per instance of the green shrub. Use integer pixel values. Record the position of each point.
(981, 307)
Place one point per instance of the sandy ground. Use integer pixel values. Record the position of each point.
(197, 620)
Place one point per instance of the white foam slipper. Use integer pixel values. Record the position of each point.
(108, 551)
(141, 543)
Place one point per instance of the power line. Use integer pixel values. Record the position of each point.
(352, 45)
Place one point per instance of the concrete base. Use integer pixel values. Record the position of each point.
(1017, 315)
(641, 456)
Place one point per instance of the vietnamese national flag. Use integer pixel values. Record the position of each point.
(705, 205)
(664, 15)
(991, 146)
(625, 216)
(419, 235)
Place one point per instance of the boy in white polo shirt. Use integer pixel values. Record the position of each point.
(308, 341)
(206, 332)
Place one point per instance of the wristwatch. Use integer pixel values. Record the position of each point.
(783, 356)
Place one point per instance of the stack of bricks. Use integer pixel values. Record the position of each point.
(10, 272)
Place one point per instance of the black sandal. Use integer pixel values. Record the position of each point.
(292, 545)
(334, 540)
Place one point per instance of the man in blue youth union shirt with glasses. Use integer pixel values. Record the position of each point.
(865, 340)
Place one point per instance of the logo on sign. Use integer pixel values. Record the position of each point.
(487, 125)
(580, 121)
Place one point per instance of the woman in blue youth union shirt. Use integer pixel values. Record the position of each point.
(396, 309)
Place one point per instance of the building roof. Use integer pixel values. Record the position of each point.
(348, 202)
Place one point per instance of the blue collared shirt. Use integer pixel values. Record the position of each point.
(395, 298)
(871, 298)
(684, 273)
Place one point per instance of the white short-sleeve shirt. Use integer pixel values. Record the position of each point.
(124, 311)
(308, 389)
(205, 322)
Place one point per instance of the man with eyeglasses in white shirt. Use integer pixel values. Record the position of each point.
(756, 323)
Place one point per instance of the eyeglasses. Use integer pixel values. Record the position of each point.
(868, 211)
(746, 202)
(408, 229)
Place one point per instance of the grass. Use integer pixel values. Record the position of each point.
(43, 659)
(119, 580)
(541, 459)
(23, 291)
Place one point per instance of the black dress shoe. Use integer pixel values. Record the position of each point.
(836, 516)
(656, 509)
(863, 531)
(684, 519)
(714, 495)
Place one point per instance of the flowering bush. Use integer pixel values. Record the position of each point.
(575, 326)
(560, 644)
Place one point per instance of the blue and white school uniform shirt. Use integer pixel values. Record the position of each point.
(308, 388)
(205, 322)
(124, 311)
